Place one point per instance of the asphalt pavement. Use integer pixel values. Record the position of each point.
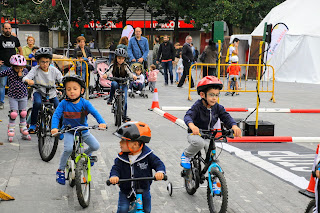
(258, 175)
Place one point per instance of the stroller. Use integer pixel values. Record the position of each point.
(102, 86)
(135, 88)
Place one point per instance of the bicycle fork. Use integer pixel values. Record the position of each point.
(215, 187)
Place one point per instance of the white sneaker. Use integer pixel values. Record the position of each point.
(129, 90)
(138, 92)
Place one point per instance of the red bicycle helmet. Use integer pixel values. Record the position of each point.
(134, 131)
(208, 81)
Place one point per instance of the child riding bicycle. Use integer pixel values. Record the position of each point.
(46, 75)
(203, 114)
(74, 110)
(119, 68)
(233, 71)
(135, 160)
(18, 95)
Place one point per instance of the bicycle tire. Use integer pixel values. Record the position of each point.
(70, 180)
(82, 186)
(118, 112)
(216, 176)
(311, 206)
(47, 145)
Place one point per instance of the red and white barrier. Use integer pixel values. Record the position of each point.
(239, 109)
(170, 117)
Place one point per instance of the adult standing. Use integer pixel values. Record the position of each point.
(211, 54)
(138, 48)
(27, 50)
(232, 50)
(112, 48)
(8, 45)
(123, 43)
(187, 58)
(155, 51)
(166, 56)
(86, 54)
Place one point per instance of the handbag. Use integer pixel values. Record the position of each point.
(203, 56)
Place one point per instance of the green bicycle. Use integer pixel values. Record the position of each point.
(78, 167)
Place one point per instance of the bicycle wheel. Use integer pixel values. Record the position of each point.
(311, 206)
(82, 184)
(118, 112)
(218, 202)
(47, 145)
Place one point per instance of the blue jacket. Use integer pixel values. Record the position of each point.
(142, 167)
(205, 118)
(134, 51)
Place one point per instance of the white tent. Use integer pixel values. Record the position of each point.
(295, 60)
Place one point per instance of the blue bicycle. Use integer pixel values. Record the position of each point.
(136, 206)
(217, 191)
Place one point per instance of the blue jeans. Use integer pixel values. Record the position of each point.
(124, 202)
(177, 75)
(3, 82)
(89, 139)
(166, 66)
(114, 86)
(82, 71)
(37, 100)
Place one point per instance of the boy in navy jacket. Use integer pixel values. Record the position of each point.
(203, 114)
(135, 160)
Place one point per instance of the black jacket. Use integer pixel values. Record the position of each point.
(187, 55)
(86, 49)
(166, 51)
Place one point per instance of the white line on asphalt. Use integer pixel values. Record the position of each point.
(296, 180)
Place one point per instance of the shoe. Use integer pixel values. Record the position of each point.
(138, 92)
(237, 93)
(1, 105)
(228, 93)
(129, 90)
(109, 102)
(11, 132)
(185, 161)
(32, 129)
(60, 177)
(171, 83)
(126, 119)
(92, 160)
(24, 131)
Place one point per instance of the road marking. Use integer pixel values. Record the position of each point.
(296, 180)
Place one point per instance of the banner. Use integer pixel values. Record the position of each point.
(277, 35)
(127, 31)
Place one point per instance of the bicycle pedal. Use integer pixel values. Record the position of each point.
(94, 158)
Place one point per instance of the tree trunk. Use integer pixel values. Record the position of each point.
(176, 27)
(124, 16)
(230, 26)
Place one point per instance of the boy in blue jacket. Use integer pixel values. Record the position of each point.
(203, 114)
(74, 110)
(135, 160)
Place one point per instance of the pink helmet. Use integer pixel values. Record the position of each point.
(18, 60)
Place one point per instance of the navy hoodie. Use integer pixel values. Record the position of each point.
(142, 167)
(205, 118)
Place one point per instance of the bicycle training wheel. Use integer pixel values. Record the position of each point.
(218, 199)
(311, 206)
(46, 143)
(82, 184)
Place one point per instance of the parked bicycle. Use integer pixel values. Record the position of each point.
(136, 206)
(78, 167)
(118, 104)
(217, 191)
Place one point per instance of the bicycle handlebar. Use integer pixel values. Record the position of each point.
(136, 179)
(211, 134)
(119, 78)
(37, 86)
(76, 129)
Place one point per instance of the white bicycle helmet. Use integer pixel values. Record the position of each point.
(121, 52)
(43, 52)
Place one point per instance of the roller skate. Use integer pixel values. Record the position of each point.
(24, 131)
(11, 132)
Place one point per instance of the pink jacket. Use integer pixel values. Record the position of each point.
(153, 75)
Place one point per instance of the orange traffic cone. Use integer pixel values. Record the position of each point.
(309, 191)
(155, 100)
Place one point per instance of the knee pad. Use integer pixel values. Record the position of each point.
(23, 113)
(13, 114)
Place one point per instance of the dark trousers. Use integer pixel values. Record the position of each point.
(167, 66)
(207, 71)
(186, 67)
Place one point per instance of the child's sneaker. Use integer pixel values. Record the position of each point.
(11, 132)
(138, 92)
(129, 90)
(32, 129)
(185, 161)
(24, 131)
(60, 177)
(228, 93)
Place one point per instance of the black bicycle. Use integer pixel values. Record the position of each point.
(118, 104)
(47, 145)
(217, 191)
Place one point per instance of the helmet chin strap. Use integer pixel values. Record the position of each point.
(205, 101)
(73, 100)
(133, 152)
